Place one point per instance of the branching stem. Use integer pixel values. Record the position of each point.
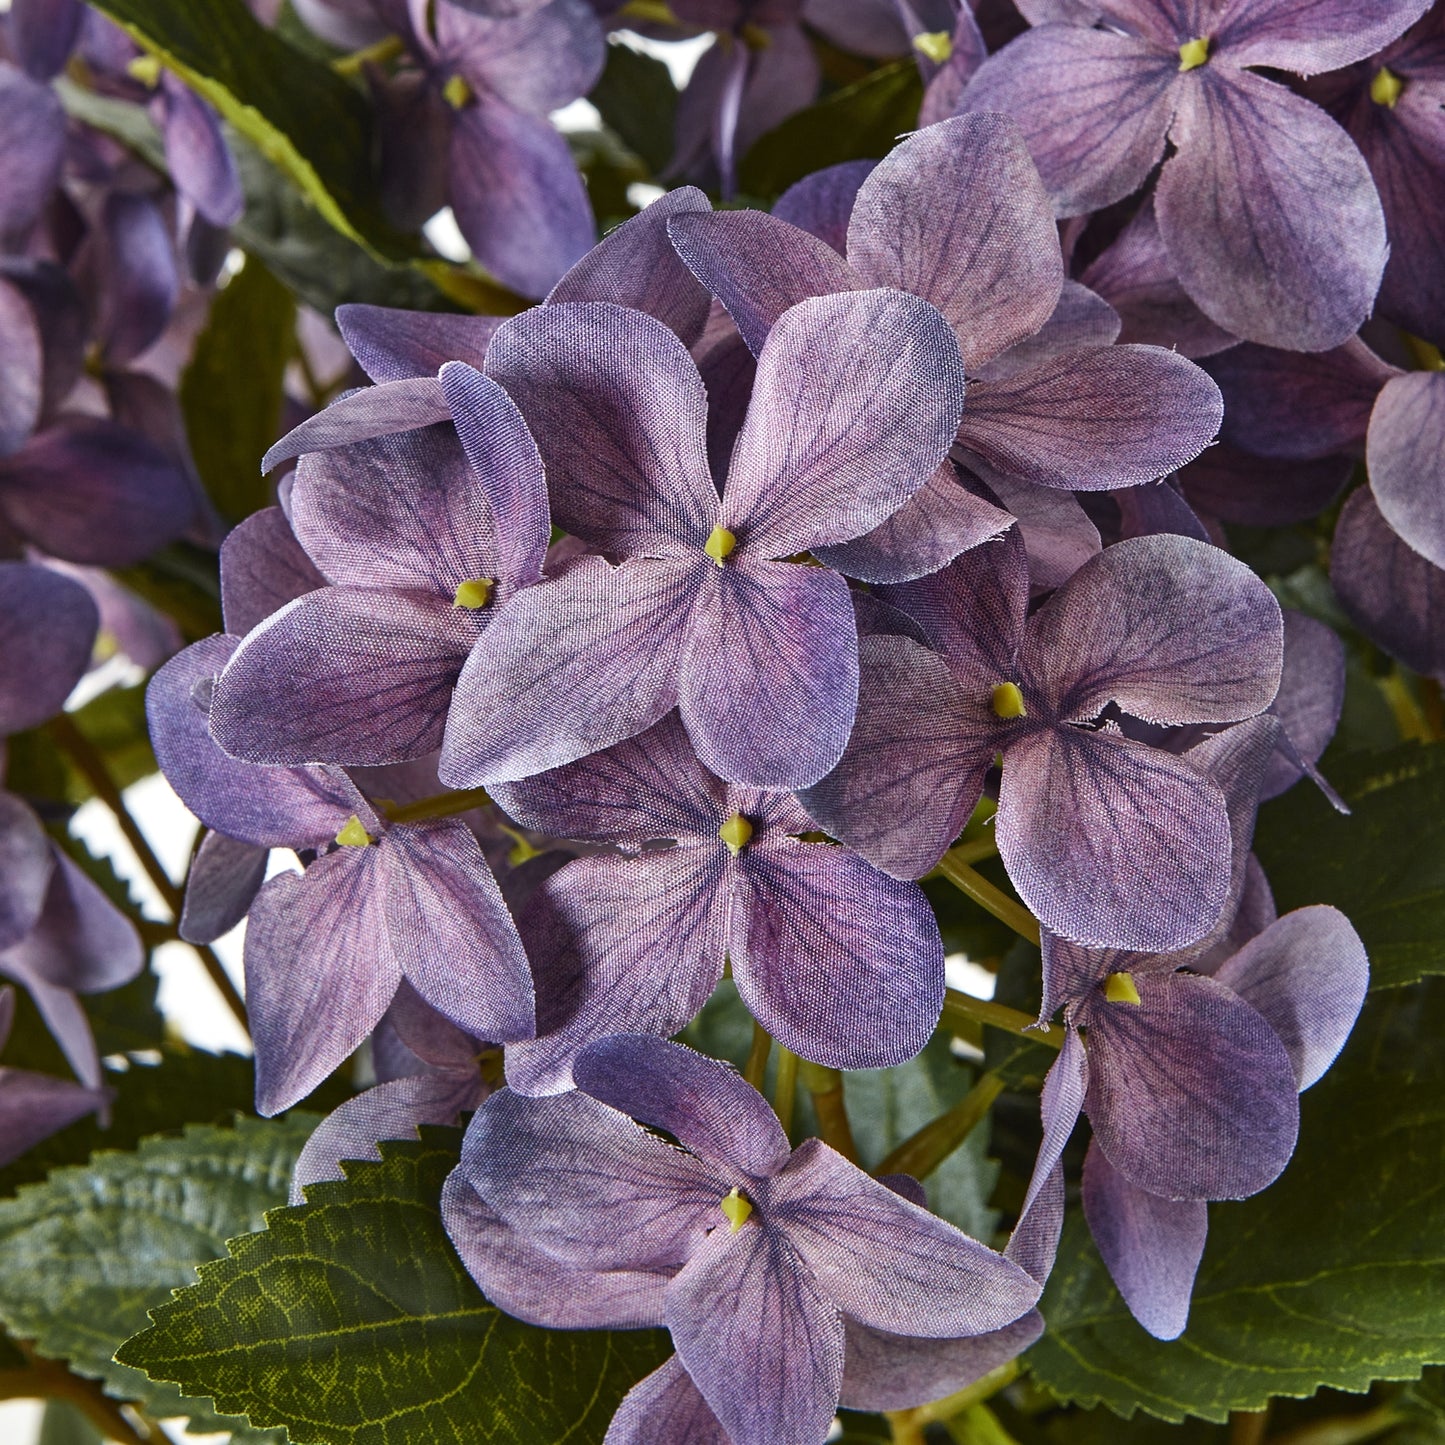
(959, 1008)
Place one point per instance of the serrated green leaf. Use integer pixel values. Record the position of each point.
(637, 100)
(232, 392)
(351, 1319)
(1335, 1275)
(86, 1254)
(1383, 866)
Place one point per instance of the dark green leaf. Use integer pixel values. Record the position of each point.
(1383, 866)
(1335, 1275)
(63, 1424)
(352, 1320)
(637, 100)
(181, 581)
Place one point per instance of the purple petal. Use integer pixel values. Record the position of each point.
(568, 668)
(728, 371)
(1308, 36)
(759, 266)
(1171, 629)
(769, 673)
(413, 1038)
(636, 266)
(1060, 1103)
(537, 60)
(33, 125)
(1406, 457)
(702, 1103)
(822, 202)
(856, 403)
(201, 164)
(138, 269)
(1081, 321)
(518, 197)
(21, 369)
(1094, 106)
(42, 34)
(26, 863)
(874, 28)
(373, 411)
(1034, 1243)
(1151, 1246)
(1306, 974)
(1311, 696)
(344, 675)
(887, 1263)
(943, 94)
(58, 314)
(47, 629)
(585, 1183)
(224, 879)
(90, 491)
(1257, 492)
(619, 945)
(320, 971)
(61, 1012)
(666, 1405)
(263, 567)
(1269, 213)
(395, 345)
(35, 1106)
(1057, 535)
(957, 214)
(1111, 417)
(839, 962)
(762, 1343)
(1191, 1093)
(1111, 843)
(620, 415)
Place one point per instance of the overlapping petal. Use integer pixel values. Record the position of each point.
(223, 879)
(665, 1405)
(1308, 36)
(263, 567)
(1405, 452)
(48, 624)
(375, 411)
(395, 345)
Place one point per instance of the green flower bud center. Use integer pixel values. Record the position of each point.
(1387, 87)
(737, 832)
(353, 835)
(934, 45)
(1194, 53)
(1121, 988)
(737, 1209)
(719, 544)
(1008, 701)
(146, 69)
(456, 92)
(474, 594)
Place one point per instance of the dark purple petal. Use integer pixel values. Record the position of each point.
(358, 416)
(33, 126)
(1111, 417)
(414, 1038)
(620, 415)
(21, 369)
(768, 679)
(585, 1183)
(822, 202)
(201, 164)
(344, 675)
(138, 268)
(43, 33)
(26, 864)
(1308, 36)
(763, 1345)
(518, 197)
(874, 28)
(395, 345)
(1081, 321)
(1152, 1246)
(1034, 1243)
(702, 1103)
(263, 567)
(856, 402)
(90, 491)
(225, 877)
(943, 94)
(1191, 1093)
(1258, 492)
(35, 1106)
(1269, 213)
(47, 629)
(1306, 974)
(837, 961)
(666, 1405)
(1094, 106)
(320, 971)
(1311, 695)
(635, 265)
(957, 214)
(1406, 457)
(728, 370)
(758, 266)
(887, 1263)
(58, 314)
(537, 58)
(568, 668)
(1112, 843)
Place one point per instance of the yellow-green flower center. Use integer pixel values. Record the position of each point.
(934, 45)
(1120, 988)
(353, 835)
(1008, 701)
(1387, 87)
(737, 1209)
(474, 594)
(719, 545)
(736, 833)
(1194, 53)
(146, 69)
(456, 92)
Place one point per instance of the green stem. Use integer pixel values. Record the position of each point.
(959, 1008)
(826, 1088)
(1345, 1430)
(85, 756)
(785, 1088)
(976, 886)
(1409, 718)
(1425, 356)
(908, 1425)
(378, 54)
(756, 1067)
(921, 1153)
(439, 805)
(974, 850)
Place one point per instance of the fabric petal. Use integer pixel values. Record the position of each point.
(1269, 213)
(1311, 697)
(822, 202)
(21, 369)
(201, 165)
(395, 345)
(1151, 1246)
(43, 33)
(138, 274)
(35, 1106)
(1405, 454)
(665, 1405)
(536, 57)
(33, 125)
(48, 625)
(224, 879)
(1058, 536)
(1060, 1103)
(263, 567)
(1257, 492)
(1081, 321)
(26, 864)
(1308, 36)
(358, 416)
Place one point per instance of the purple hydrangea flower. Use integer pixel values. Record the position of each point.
(856, 402)
(1267, 209)
(753, 1254)
(1108, 841)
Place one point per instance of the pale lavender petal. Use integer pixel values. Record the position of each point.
(1191, 1093)
(373, 411)
(620, 415)
(1151, 1246)
(1094, 106)
(1112, 843)
(588, 1185)
(61, 1012)
(26, 863)
(21, 369)
(856, 402)
(1406, 458)
(1311, 696)
(1081, 321)
(1058, 535)
(33, 126)
(138, 268)
(665, 1406)
(1308, 36)
(728, 370)
(518, 197)
(957, 214)
(1034, 1243)
(200, 162)
(320, 972)
(224, 878)
(568, 668)
(413, 1038)
(344, 675)
(822, 202)
(1110, 417)
(35, 1106)
(47, 628)
(1071, 971)
(1260, 492)
(701, 1102)
(263, 567)
(1307, 975)
(762, 1343)
(1060, 1104)
(838, 962)
(887, 1263)
(395, 345)
(1269, 213)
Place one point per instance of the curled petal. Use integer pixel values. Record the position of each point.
(1405, 453)
(373, 411)
(395, 345)
(1309, 36)
(1311, 696)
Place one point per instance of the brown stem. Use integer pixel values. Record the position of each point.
(1248, 1427)
(44, 1379)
